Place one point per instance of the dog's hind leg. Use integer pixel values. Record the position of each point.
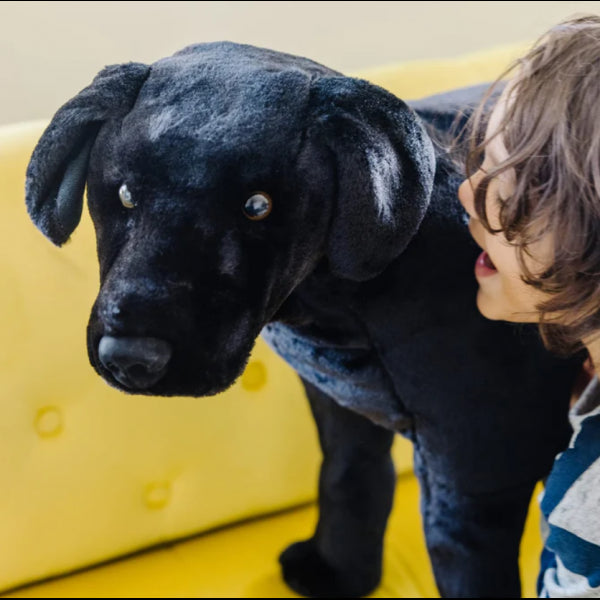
(472, 539)
(356, 488)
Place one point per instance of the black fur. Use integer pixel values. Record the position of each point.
(361, 277)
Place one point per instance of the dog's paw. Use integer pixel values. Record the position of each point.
(307, 573)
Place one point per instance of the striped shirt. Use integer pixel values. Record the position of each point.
(570, 505)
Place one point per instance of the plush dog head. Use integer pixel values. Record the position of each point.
(217, 179)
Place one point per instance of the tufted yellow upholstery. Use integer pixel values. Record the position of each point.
(90, 474)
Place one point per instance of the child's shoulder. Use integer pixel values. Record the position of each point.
(570, 506)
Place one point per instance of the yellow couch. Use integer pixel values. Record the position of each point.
(90, 475)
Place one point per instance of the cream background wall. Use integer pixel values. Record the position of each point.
(50, 50)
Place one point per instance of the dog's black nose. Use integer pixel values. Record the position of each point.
(136, 362)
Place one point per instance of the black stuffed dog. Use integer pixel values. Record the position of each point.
(238, 191)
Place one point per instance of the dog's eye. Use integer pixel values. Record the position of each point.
(258, 206)
(125, 196)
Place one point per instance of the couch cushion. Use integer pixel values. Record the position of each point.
(240, 561)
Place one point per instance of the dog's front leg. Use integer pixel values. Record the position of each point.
(356, 488)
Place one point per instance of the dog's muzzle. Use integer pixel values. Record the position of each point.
(136, 362)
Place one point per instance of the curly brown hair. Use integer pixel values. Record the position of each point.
(551, 130)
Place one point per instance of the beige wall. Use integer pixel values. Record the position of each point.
(50, 50)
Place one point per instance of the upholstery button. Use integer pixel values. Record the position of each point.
(255, 375)
(157, 495)
(48, 421)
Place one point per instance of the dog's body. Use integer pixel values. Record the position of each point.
(261, 192)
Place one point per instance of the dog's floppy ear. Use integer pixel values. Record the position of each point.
(57, 170)
(385, 165)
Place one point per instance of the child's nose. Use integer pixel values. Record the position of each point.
(466, 191)
(465, 196)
